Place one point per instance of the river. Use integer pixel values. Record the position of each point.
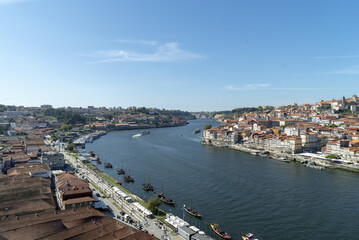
(243, 192)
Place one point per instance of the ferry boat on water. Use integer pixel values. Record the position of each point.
(219, 232)
(146, 132)
(248, 236)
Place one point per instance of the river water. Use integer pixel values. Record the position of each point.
(243, 192)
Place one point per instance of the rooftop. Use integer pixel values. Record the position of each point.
(79, 223)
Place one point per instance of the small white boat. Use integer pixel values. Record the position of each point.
(141, 133)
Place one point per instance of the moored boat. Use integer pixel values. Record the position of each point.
(197, 130)
(128, 178)
(248, 236)
(108, 165)
(120, 171)
(192, 212)
(147, 187)
(282, 159)
(164, 199)
(219, 231)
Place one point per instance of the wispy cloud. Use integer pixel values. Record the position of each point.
(168, 52)
(336, 57)
(145, 42)
(354, 70)
(249, 87)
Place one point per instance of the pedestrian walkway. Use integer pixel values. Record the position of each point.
(118, 204)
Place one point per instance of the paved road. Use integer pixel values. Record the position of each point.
(118, 204)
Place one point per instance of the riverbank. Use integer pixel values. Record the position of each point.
(244, 189)
(107, 185)
(318, 160)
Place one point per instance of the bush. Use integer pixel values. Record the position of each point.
(208, 126)
(153, 203)
(332, 156)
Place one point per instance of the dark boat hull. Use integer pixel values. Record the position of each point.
(166, 200)
(197, 215)
(128, 179)
(147, 187)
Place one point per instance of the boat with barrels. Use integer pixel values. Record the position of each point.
(166, 200)
(128, 179)
(190, 211)
(120, 171)
(108, 165)
(147, 187)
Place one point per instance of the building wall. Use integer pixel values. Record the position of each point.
(55, 161)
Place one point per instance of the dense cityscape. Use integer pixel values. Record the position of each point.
(179, 120)
(46, 177)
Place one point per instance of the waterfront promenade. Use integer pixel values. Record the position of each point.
(151, 225)
(317, 158)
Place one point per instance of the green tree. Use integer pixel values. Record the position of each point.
(66, 127)
(2, 108)
(21, 133)
(153, 203)
(208, 126)
(332, 156)
(70, 147)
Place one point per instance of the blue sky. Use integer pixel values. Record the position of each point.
(188, 55)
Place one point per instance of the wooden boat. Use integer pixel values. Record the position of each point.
(128, 179)
(98, 161)
(108, 165)
(197, 130)
(120, 171)
(190, 211)
(147, 187)
(219, 232)
(164, 199)
(248, 236)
